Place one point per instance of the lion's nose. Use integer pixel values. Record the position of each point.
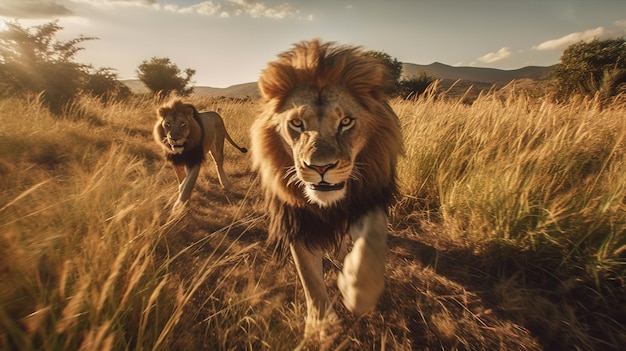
(322, 169)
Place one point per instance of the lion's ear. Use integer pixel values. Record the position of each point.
(163, 111)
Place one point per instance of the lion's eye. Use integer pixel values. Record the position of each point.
(297, 125)
(183, 124)
(168, 125)
(346, 123)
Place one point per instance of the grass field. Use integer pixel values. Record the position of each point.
(510, 234)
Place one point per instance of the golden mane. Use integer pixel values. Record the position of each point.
(317, 66)
(183, 109)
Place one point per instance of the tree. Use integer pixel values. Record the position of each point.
(393, 66)
(31, 60)
(414, 86)
(589, 68)
(163, 77)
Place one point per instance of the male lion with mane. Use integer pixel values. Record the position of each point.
(187, 136)
(326, 146)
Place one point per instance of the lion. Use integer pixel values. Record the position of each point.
(325, 146)
(186, 136)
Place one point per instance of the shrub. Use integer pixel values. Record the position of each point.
(589, 68)
(163, 77)
(414, 86)
(32, 61)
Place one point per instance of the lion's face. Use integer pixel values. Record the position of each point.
(175, 127)
(326, 132)
(324, 136)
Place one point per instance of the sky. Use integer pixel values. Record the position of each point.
(229, 42)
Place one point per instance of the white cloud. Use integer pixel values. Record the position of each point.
(175, 8)
(203, 8)
(224, 9)
(496, 56)
(206, 8)
(147, 3)
(259, 9)
(42, 9)
(564, 42)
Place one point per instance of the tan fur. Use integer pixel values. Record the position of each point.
(186, 136)
(326, 124)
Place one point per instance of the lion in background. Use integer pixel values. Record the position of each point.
(326, 147)
(186, 136)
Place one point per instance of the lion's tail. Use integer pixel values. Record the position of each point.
(232, 142)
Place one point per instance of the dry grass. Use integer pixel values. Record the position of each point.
(509, 236)
(524, 199)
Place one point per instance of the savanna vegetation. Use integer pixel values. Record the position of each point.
(590, 68)
(162, 76)
(405, 87)
(33, 61)
(509, 233)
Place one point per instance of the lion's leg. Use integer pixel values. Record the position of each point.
(218, 158)
(180, 173)
(319, 308)
(186, 186)
(362, 279)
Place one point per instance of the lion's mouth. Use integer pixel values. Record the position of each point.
(325, 186)
(177, 148)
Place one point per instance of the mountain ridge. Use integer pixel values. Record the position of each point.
(476, 74)
(481, 77)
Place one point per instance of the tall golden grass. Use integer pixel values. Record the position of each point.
(529, 193)
(537, 191)
(83, 217)
(524, 172)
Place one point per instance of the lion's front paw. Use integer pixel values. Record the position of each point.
(362, 280)
(321, 328)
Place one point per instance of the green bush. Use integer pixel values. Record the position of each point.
(32, 61)
(163, 77)
(597, 67)
(414, 86)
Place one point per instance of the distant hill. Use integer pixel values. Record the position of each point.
(235, 91)
(470, 81)
(479, 78)
(476, 74)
